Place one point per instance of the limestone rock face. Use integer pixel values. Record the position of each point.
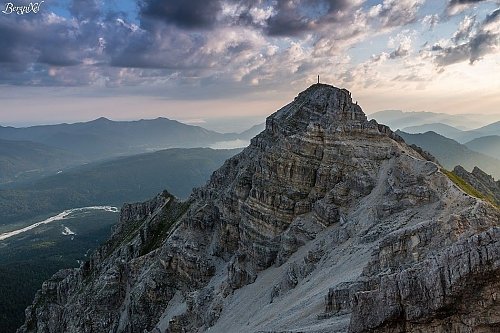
(481, 181)
(327, 222)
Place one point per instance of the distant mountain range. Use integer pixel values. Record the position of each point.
(104, 138)
(31, 152)
(454, 133)
(469, 130)
(397, 119)
(440, 128)
(451, 153)
(488, 130)
(252, 131)
(489, 145)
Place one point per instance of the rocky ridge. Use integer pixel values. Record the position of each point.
(327, 222)
(481, 181)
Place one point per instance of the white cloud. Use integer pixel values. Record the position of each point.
(430, 21)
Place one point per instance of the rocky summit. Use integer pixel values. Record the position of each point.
(327, 222)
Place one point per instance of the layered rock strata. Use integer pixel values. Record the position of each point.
(327, 222)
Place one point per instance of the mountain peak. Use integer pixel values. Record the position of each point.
(321, 103)
(323, 88)
(326, 99)
(323, 109)
(102, 120)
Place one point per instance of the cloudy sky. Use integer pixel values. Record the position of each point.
(206, 60)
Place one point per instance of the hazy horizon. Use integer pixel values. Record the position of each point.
(78, 60)
(229, 123)
(57, 110)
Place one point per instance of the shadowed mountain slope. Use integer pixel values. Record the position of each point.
(488, 145)
(23, 160)
(451, 153)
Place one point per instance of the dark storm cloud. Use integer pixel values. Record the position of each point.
(478, 42)
(17, 73)
(51, 43)
(48, 40)
(290, 18)
(188, 14)
(201, 40)
(33, 44)
(287, 21)
(490, 18)
(456, 6)
(400, 52)
(295, 17)
(11, 42)
(478, 46)
(85, 9)
(173, 50)
(482, 44)
(171, 35)
(453, 54)
(36, 40)
(452, 3)
(285, 25)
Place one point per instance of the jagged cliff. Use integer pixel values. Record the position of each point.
(482, 182)
(327, 222)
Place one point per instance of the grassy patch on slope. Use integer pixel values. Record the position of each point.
(468, 188)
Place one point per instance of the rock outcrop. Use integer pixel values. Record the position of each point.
(481, 181)
(327, 222)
